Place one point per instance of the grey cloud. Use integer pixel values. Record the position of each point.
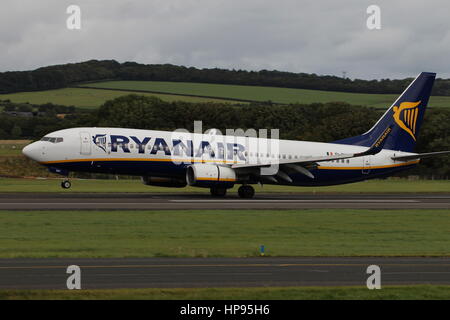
(324, 37)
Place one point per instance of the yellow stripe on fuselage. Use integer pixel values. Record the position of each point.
(371, 167)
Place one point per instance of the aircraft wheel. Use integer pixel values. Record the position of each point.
(246, 192)
(218, 192)
(66, 184)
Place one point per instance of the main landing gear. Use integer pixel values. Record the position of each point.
(66, 184)
(246, 191)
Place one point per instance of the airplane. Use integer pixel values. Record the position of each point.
(218, 162)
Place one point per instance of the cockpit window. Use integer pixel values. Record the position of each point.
(53, 139)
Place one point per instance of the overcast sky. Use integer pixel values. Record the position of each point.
(317, 36)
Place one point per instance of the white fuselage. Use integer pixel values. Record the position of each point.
(150, 152)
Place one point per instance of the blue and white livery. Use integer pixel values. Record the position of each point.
(218, 162)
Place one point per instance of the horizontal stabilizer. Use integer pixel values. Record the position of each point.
(420, 156)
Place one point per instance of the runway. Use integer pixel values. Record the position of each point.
(185, 201)
(220, 272)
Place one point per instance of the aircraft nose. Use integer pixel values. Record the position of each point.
(31, 151)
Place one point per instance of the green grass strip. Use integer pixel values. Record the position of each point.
(224, 233)
(417, 292)
(371, 186)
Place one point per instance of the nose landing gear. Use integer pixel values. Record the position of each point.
(246, 191)
(66, 184)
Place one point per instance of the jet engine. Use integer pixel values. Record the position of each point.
(210, 176)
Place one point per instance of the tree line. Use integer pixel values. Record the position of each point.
(60, 76)
(314, 122)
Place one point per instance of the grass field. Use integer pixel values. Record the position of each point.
(417, 292)
(86, 98)
(91, 185)
(280, 95)
(224, 233)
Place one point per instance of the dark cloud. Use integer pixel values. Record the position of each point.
(324, 37)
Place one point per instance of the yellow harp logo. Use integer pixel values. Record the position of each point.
(406, 116)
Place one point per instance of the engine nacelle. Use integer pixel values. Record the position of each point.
(163, 182)
(210, 175)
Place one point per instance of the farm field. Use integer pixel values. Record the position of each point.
(280, 95)
(86, 98)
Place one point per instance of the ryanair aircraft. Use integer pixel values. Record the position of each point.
(218, 162)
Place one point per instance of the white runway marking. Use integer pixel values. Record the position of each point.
(300, 201)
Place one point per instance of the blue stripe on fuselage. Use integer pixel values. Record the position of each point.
(322, 176)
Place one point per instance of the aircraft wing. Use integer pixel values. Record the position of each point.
(300, 161)
(420, 156)
(307, 160)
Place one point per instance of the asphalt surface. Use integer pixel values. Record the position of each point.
(183, 201)
(220, 272)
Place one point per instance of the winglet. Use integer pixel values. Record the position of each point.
(377, 146)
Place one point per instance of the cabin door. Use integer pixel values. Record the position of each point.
(366, 165)
(85, 140)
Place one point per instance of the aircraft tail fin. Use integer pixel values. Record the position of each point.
(405, 117)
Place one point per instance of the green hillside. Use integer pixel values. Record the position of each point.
(86, 98)
(280, 95)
